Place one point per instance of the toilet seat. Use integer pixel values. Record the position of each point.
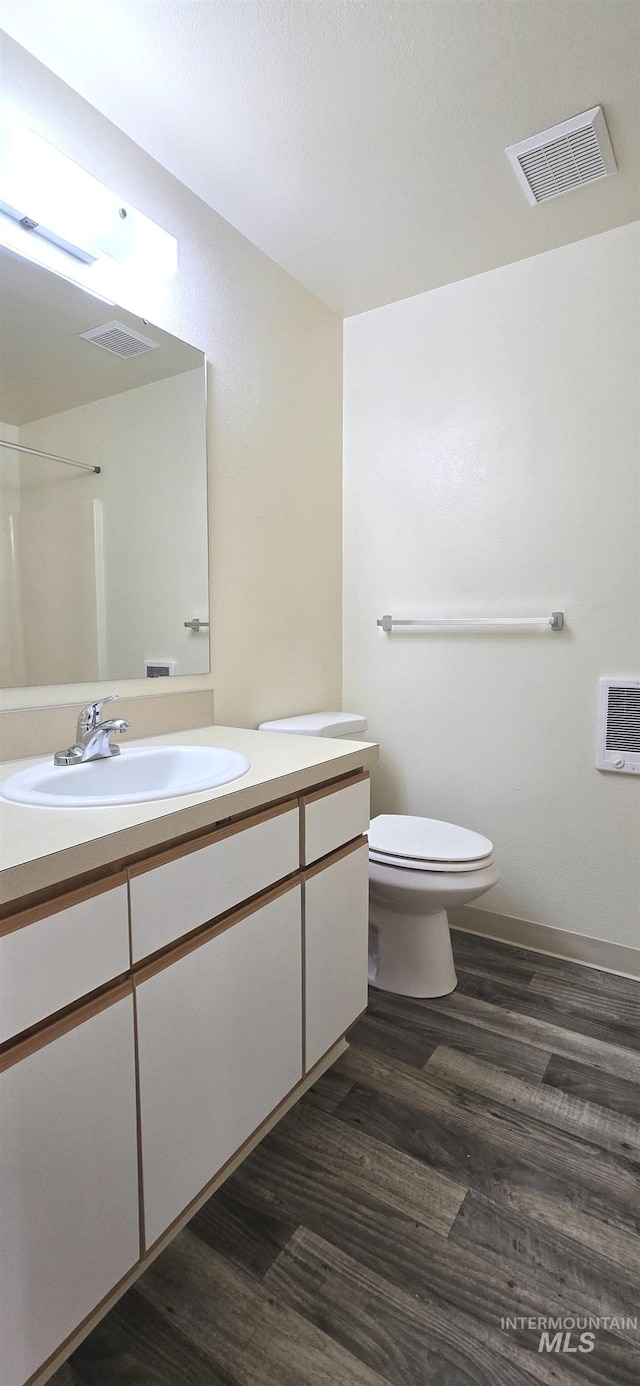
(448, 867)
(427, 844)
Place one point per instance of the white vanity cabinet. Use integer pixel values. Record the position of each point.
(336, 947)
(69, 1229)
(154, 1023)
(220, 1046)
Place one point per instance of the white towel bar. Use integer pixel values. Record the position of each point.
(553, 622)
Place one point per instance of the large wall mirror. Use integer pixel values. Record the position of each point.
(100, 569)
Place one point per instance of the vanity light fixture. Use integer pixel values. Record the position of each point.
(55, 213)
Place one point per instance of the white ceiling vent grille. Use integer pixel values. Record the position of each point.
(565, 157)
(619, 726)
(120, 340)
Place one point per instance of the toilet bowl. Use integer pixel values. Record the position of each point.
(418, 869)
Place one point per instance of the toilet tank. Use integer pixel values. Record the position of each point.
(350, 725)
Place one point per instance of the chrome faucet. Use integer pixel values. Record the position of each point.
(92, 736)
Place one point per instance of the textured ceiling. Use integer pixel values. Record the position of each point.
(360, 143)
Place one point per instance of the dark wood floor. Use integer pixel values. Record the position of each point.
(468, 1159)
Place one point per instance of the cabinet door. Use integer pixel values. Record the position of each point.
(220, 1045)
(336, 948)
(69, 1227)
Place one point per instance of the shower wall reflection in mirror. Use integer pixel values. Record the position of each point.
(99, 569)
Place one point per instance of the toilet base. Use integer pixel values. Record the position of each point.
(410, 954)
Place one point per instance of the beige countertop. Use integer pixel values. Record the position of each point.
(44, 847)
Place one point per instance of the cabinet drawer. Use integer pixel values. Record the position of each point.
(220, 1046)
(188, 890)
(336, 948)
(334, 816)
(53, 955)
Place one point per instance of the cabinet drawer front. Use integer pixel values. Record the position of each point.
(170, 900)
(69, 1227)
(336, 949)
(220, 1045)
(333, 817)
(60, 957)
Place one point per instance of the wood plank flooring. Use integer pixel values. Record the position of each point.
(470, 1159)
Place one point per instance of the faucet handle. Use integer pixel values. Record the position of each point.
(90, 715)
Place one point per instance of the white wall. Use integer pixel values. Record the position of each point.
(275, 383)
(491, 467)
(150, 444)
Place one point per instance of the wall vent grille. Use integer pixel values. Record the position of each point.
(619, 726)
(119, 340)
(564, 157)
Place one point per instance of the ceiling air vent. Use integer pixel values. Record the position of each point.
(565, 157)
(619, 726)
(120, 340)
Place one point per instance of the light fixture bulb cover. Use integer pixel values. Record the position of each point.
(76, 212)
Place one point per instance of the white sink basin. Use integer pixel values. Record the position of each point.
(135, 776)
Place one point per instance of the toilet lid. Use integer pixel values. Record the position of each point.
(446, 868)
(426, 839)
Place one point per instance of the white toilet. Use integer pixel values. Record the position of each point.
(418, 869)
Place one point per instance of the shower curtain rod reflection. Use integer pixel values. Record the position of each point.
(51, 456)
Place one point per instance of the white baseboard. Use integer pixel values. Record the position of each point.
(542, 938)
